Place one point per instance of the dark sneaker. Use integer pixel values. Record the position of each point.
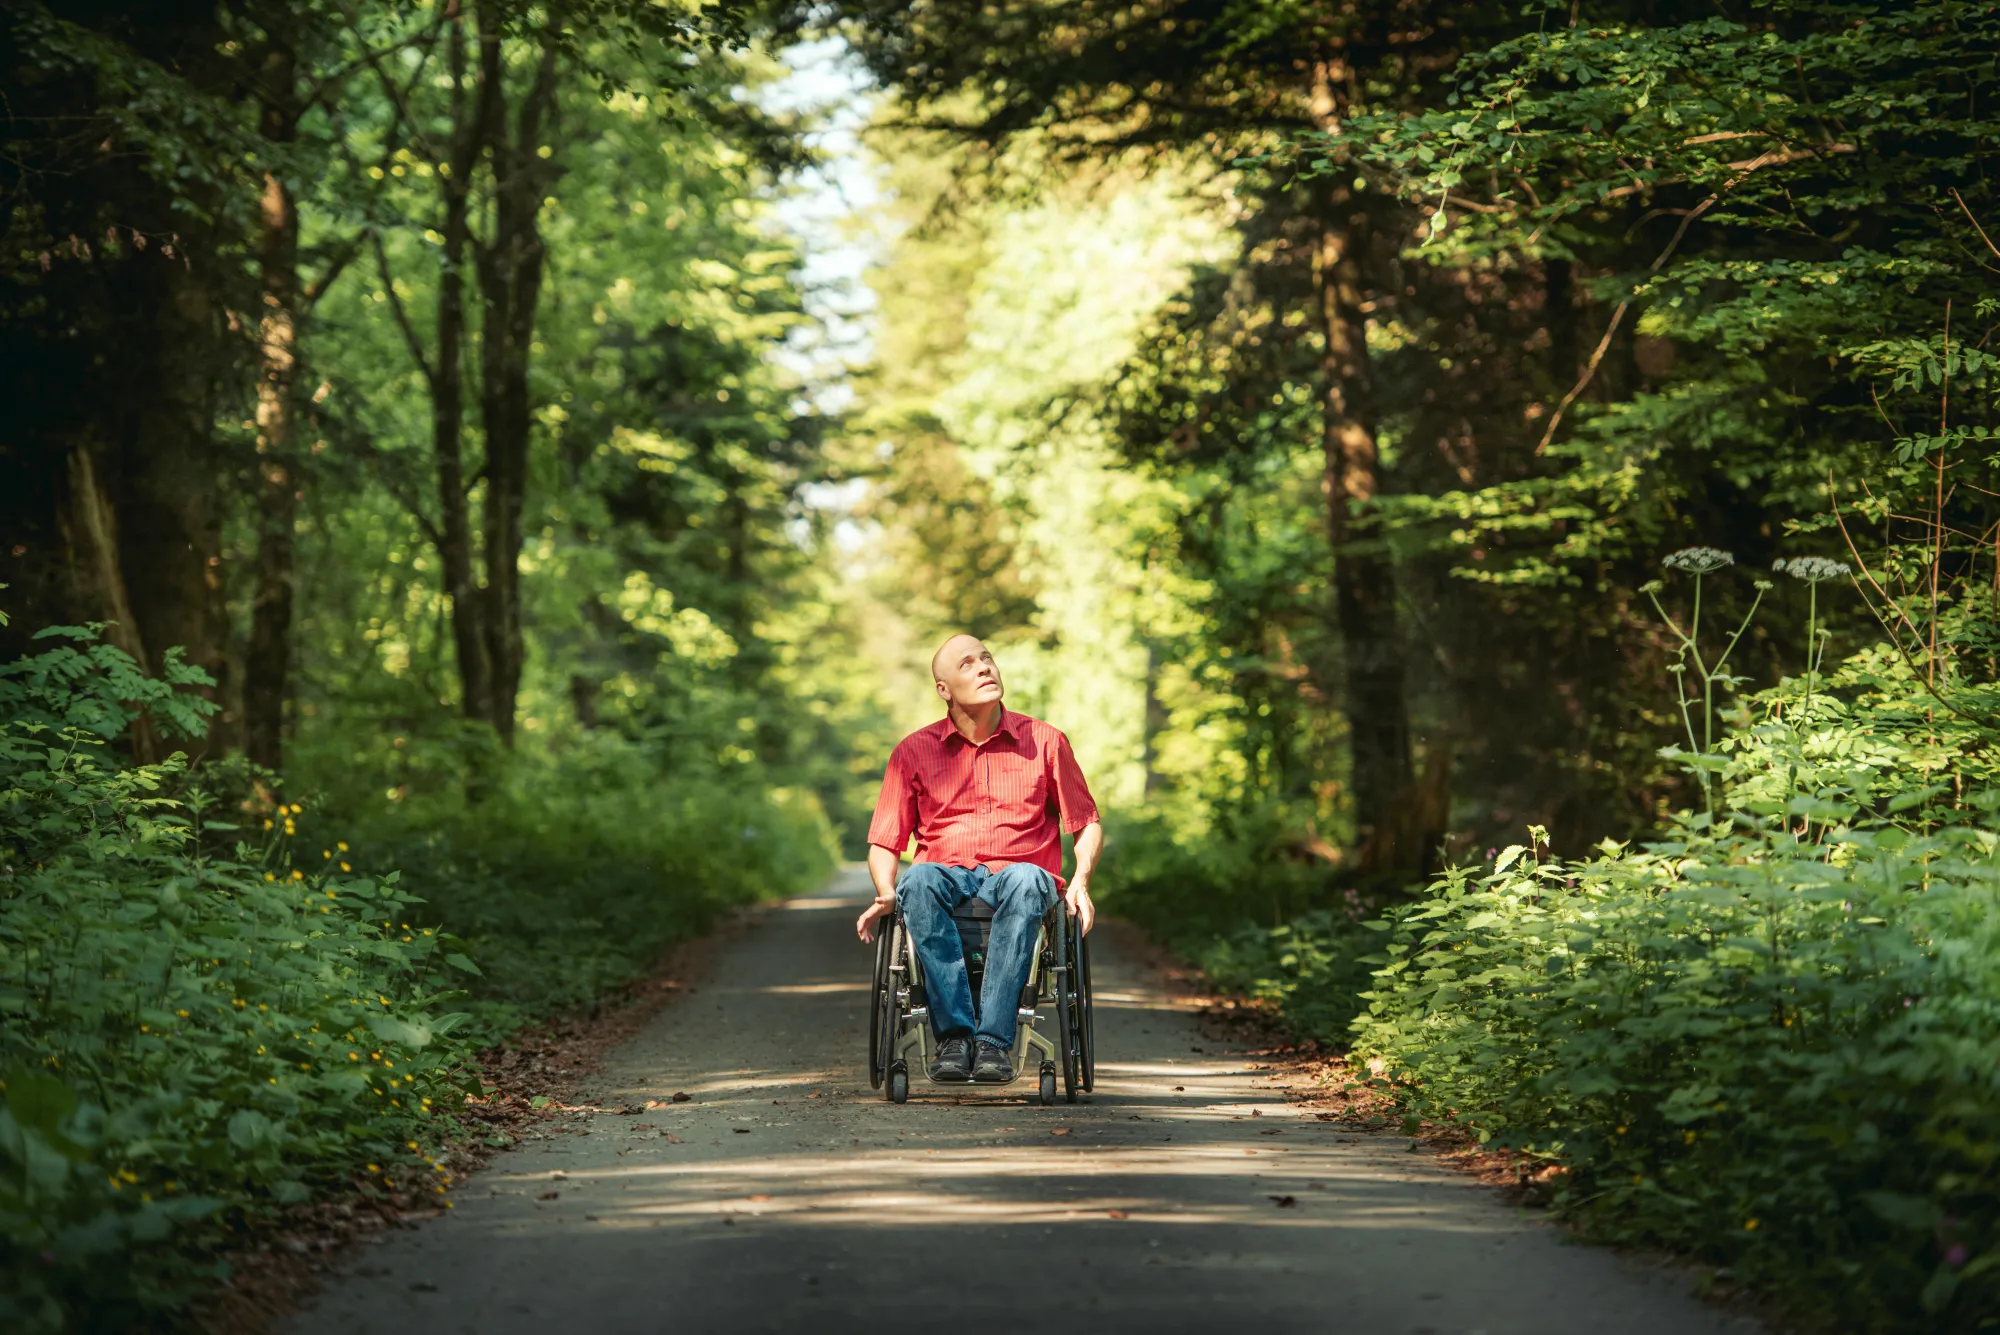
(992, 1066)
(953, 1062)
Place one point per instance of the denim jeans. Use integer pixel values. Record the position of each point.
(1020, 895)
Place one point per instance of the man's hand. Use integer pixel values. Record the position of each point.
(882, 871)
(864, 926)
(1089, 843)
(1077, 896)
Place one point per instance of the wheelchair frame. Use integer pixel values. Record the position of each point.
(899, 1030)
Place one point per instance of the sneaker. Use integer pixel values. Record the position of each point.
(993, 1066)
(953, 1063)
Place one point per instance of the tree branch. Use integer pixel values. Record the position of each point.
(1617, 317)
(342, 257)
(325, 84)
(410, 338)
(1742, 170)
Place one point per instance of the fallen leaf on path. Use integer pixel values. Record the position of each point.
(682, 1098)
(1249, 1151)
(1060, 1131)
(1180, 1089)
(740, 1130)
(1116, 1214)
(1286, 1202)
(758, 1198)
(547, 1196)
(672, 1139)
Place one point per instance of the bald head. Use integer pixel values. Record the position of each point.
(965, 673)
(955, 649)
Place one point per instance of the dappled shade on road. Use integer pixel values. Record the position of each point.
(1185, 1193)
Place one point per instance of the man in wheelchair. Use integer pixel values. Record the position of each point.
(988, 793)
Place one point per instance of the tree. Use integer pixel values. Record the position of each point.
(1113, 83)
(119, 180)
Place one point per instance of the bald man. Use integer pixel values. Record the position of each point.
(988, 793)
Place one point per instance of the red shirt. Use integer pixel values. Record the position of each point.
(995, 804)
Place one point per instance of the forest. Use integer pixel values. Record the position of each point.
(1505, 499)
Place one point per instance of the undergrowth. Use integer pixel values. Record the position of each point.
(1767, 1037)
(219, 1000)
(1770, 1038)
(1284, 932)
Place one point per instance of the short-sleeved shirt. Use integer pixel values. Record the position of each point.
(1009, 799)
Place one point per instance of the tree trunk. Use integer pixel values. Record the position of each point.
(267, 667)
(1559, 313)
(109, 361)
(96, 577)
(169, 515)
(1364, 587)
(1157, 720)
(447, 376)
(511, 265)
(95, 581)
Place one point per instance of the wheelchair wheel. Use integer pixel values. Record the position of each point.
(899, 1083)
(881, 1010)
(1047, 1091)
(1089, 1026)
(1069, 1035)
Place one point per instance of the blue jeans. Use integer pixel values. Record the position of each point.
(1020, 896)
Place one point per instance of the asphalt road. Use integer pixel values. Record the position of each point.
(1185, 1195)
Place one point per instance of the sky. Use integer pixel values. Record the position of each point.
(833, 210)
(834, 213)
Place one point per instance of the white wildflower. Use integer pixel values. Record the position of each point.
(1813, 569)
(1699, 560)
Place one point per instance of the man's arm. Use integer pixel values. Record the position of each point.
(882, 863)
(1089, 843)
(1079, 816)
(888, 834)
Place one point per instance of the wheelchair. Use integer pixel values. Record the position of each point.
(899, 1033)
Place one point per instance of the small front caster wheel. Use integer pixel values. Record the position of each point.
(899, 1084)
(1048, 1089)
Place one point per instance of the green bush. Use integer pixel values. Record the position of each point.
(1257, 924)
(218, 1000)
(1770, 1038)
(566, 882)
(190, 1034)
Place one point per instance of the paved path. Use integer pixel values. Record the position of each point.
(785, 1196)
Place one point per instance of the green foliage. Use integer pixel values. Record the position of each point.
(1766, 1038)
(1258, 923)
(1312, 971)
(195, 1029)
(210, 1012)
(567, 879)
(97, 688)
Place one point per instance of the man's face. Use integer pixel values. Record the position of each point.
(967, 676)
